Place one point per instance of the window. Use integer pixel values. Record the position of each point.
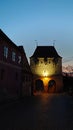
(19, 59)
(13, 56)
(5, 51)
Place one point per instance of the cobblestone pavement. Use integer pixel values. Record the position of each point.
(45, 112)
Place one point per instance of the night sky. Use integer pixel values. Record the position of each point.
(25, 21)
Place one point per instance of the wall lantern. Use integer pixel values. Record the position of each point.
(45, 74)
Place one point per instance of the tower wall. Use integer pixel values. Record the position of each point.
(48, 67)
(58, 80)
(46, 70)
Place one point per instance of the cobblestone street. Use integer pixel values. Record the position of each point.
(45, 112)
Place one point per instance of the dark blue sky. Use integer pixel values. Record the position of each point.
(25, 21)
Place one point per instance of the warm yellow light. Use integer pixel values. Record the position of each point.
(45, 73)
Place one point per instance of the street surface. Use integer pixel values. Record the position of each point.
(45, 112)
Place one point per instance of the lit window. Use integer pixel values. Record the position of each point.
(19, 59)
(5, 51)
(13, 56)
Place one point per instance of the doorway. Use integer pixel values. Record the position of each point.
(39, 86)
(52, 86)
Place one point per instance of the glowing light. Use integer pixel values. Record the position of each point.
(45, 73)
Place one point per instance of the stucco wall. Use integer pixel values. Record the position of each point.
(46, 68)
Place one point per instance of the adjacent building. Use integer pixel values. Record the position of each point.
(46, 66)
(15, 73)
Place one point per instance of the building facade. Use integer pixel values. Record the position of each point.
(46, 66)
(15, 73)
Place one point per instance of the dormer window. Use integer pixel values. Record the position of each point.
(19, 59)
(13, 56)
(5, 51)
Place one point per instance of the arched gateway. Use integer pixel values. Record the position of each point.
(52, 86)
(39, 85)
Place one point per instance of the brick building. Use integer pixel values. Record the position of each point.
(46, 66)
(15, 73)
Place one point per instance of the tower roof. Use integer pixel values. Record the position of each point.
(45, 51)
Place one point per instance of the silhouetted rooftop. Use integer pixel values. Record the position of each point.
(3, 36)
(45, 51)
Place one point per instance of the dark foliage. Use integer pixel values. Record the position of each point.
(68, 84)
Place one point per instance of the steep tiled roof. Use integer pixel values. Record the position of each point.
(6, 38)
(3, 36)
(45, 51)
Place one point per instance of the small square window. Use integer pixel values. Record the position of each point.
(13, 56)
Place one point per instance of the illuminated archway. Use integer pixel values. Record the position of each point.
(39, 86)
(52, 86)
